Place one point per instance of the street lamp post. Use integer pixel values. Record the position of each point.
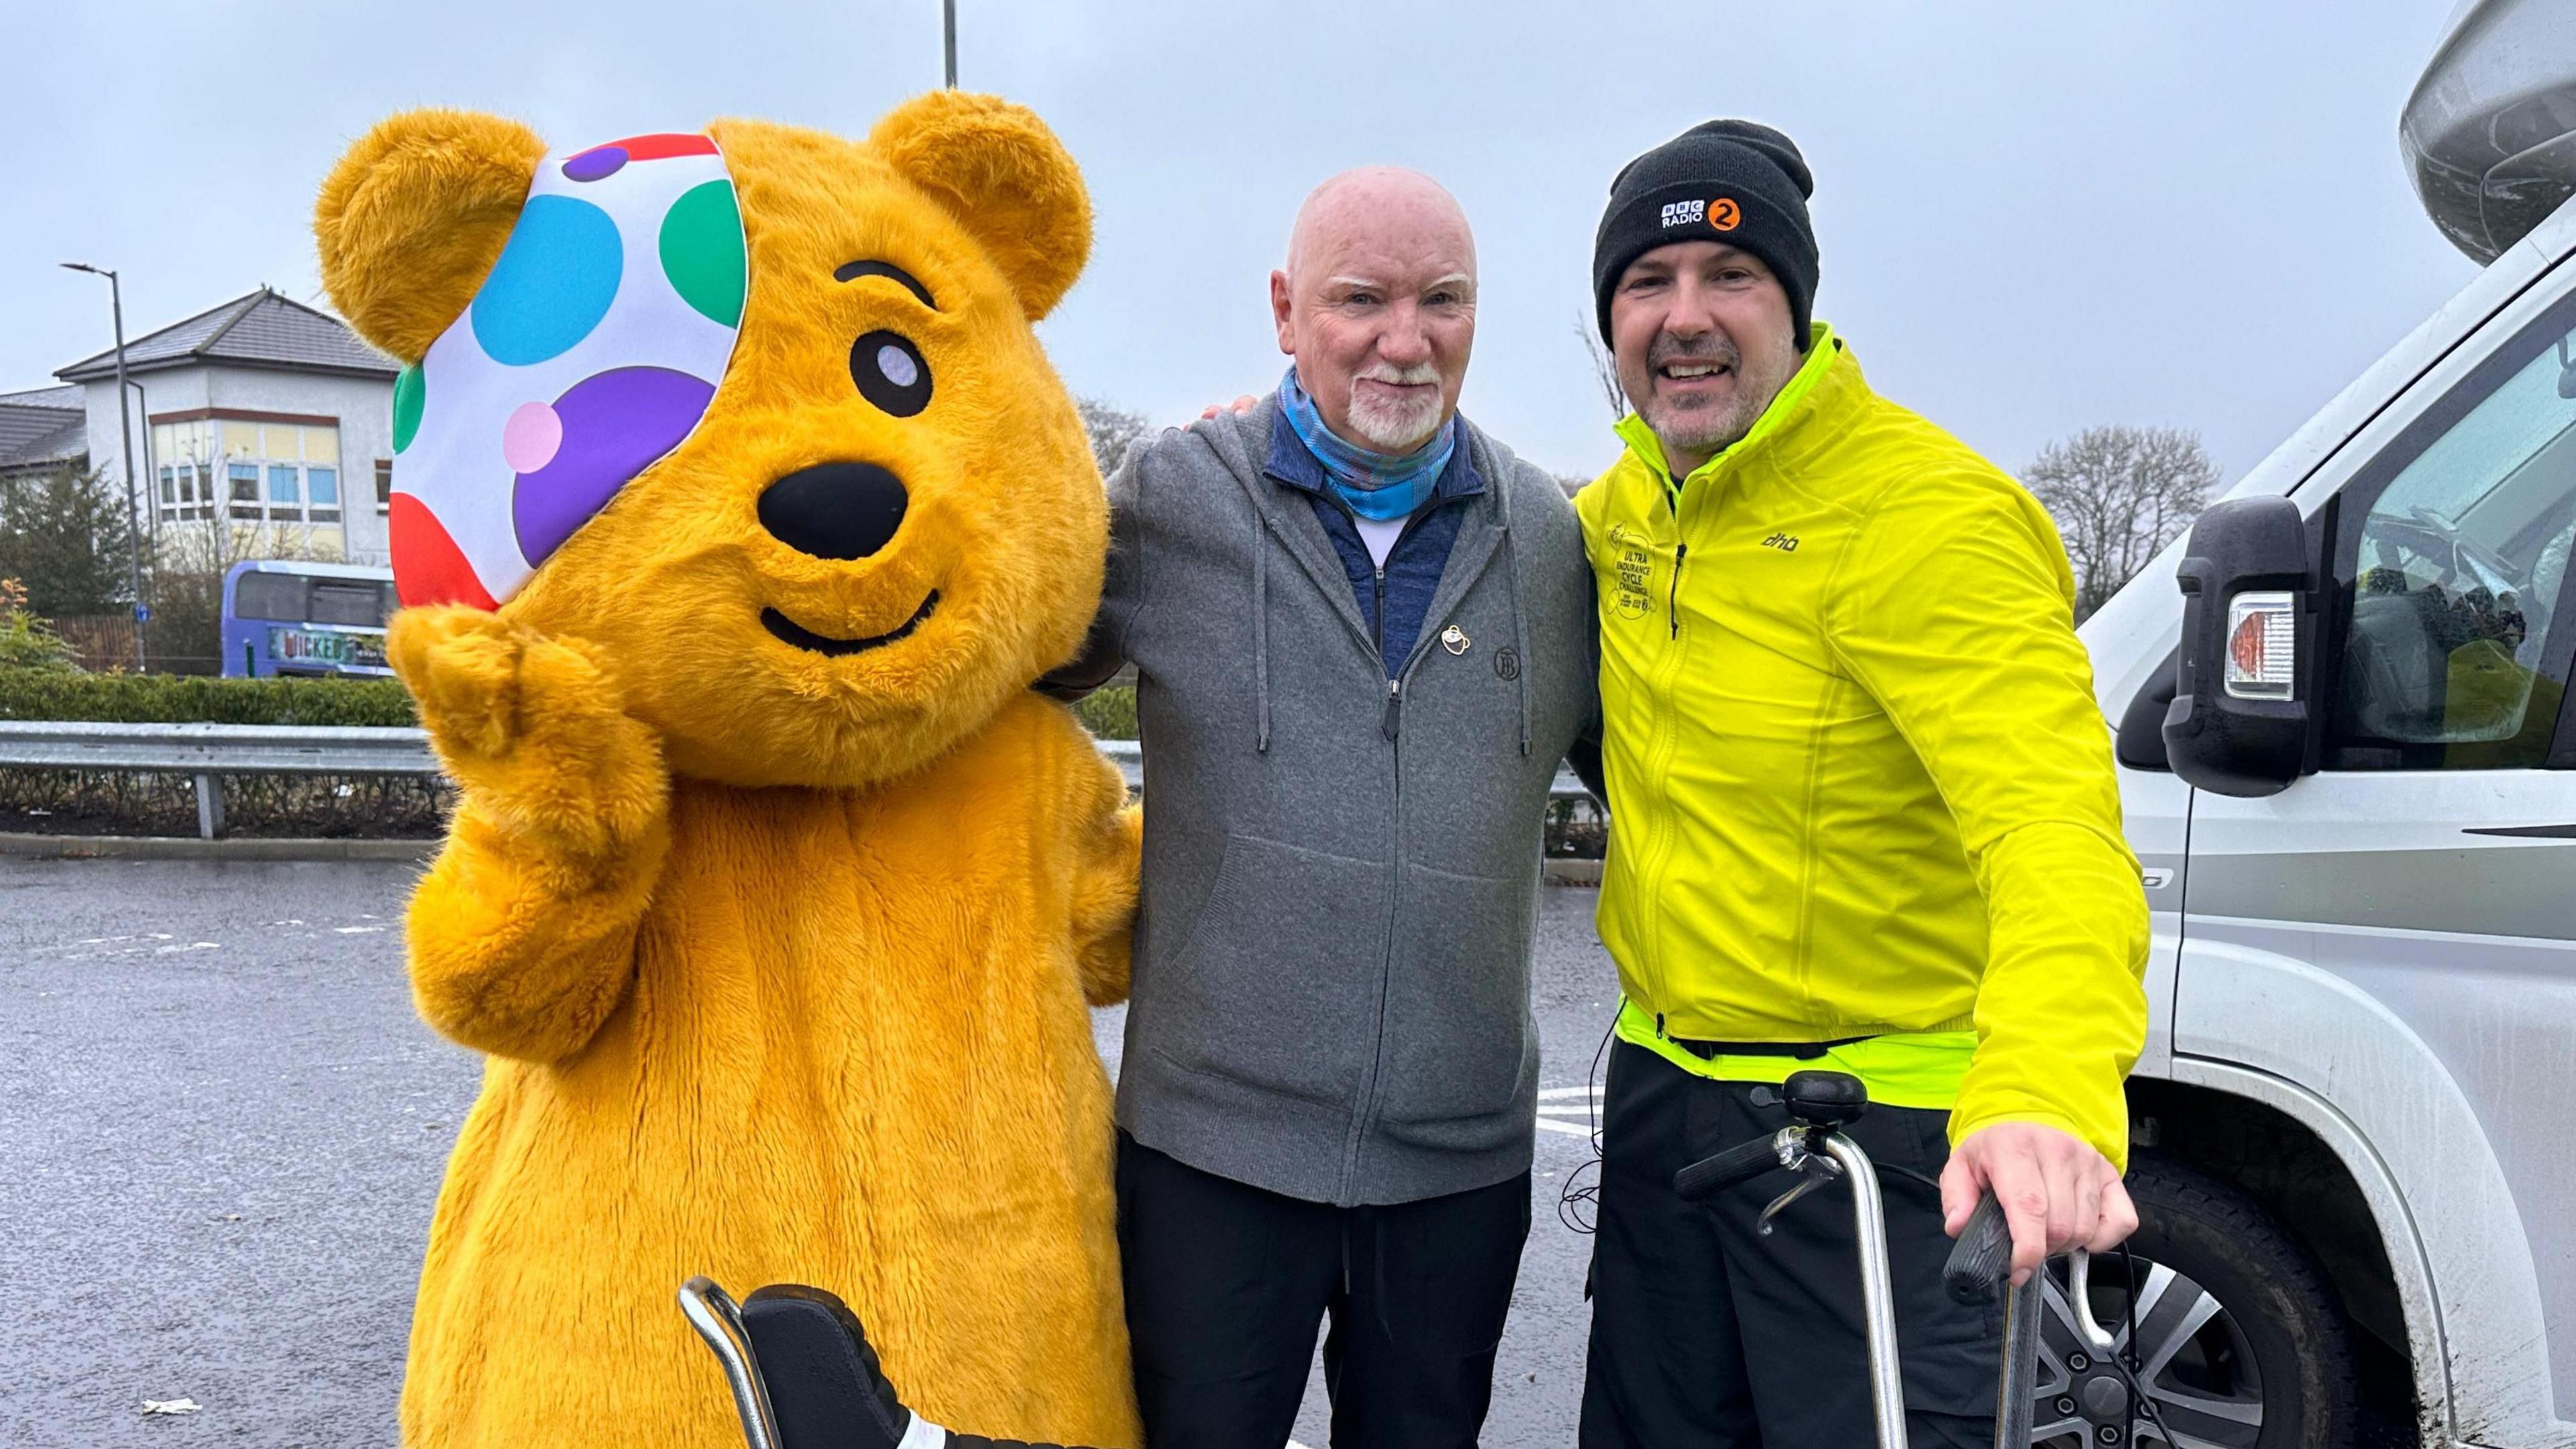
(948, 16)
(151, 513)
(125, 457)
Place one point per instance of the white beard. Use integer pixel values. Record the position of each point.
(1393, 425)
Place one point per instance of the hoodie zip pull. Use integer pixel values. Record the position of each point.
(1379, 598)
(1393, 723)
(1673, 601)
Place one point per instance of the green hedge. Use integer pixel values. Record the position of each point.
(201, 699)
(1110, 713)
(185, 699)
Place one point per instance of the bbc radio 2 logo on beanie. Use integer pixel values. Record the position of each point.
(1721, 213)
(1732, 181)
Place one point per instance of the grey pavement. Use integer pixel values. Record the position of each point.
(222, 1129)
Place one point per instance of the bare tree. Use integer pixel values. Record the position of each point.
(1112, 431)
(1605, 368)
(2120, 494)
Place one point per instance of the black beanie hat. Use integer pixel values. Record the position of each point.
(1736, 182)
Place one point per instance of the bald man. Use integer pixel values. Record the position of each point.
(1363, 641)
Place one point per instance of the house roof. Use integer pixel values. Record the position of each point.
(42, 425)
(261, 329)
(67, 398)
(65, 444)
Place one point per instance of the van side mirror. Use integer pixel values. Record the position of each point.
(2239, 723)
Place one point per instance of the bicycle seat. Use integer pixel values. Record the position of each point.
(800, 1357)
(825, 1387)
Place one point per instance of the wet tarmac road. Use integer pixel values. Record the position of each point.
(222, 1128)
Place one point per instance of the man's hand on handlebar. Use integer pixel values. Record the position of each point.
(2057, 1192)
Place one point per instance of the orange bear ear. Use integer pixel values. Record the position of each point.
(1005, 177)
(414, 216)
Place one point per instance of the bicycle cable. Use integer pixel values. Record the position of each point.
(2125, 1361)
(1578, 1203)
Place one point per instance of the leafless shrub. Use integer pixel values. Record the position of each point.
(2120, 494)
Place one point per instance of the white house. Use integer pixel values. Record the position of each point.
(263, 410)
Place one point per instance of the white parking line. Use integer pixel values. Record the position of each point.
(1579, 1107)
(147, 943)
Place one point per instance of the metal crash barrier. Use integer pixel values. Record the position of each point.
(208, 752)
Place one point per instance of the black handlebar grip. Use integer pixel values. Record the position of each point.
(1982, 1258)
(1741, 1163)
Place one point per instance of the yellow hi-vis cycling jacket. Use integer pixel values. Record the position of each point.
(1858, 783)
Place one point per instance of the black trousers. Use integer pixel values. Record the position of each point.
(1706, 1336)
(1226, 1284)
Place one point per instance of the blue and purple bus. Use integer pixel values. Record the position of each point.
(289, 617)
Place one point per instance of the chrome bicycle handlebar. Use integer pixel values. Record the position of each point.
(1821, 1105)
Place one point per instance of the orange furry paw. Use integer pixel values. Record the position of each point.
(533, 728)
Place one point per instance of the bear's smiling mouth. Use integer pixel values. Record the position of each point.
(789, 631)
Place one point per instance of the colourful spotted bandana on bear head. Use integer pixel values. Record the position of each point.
(590, 353)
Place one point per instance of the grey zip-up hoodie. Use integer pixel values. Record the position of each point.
(1332, 978)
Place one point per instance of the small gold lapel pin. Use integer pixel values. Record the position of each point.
(1455, 640)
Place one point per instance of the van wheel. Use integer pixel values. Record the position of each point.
(2239, 1343)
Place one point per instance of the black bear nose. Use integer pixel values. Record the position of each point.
(834, 510)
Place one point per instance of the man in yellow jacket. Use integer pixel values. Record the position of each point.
(1864, 819)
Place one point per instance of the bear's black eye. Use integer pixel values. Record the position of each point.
(890, 373)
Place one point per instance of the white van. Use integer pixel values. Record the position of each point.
(2349, 766)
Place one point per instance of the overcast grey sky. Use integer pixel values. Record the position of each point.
(2035, 216)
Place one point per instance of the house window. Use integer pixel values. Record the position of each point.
(178, 449)
(270, 473)
(285, 500)
(186, 454)
(384, 487)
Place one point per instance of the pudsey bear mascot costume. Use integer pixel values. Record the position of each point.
(735, 510)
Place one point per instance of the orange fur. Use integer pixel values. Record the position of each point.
(1000, 167)
(780, 959)
(412, 219)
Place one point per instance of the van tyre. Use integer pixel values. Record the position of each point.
(2240, 1339)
